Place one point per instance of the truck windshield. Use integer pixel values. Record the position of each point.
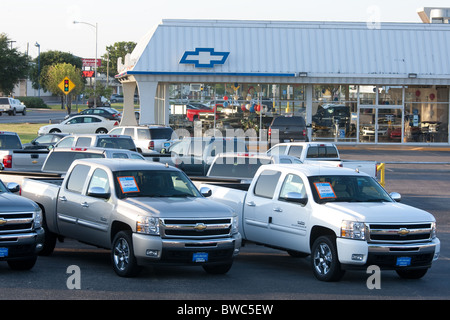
(347, 189)
(153, 183)
(2, 187)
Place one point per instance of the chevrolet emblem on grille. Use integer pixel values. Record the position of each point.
(200, 227)
(2, 222)
(403, 231)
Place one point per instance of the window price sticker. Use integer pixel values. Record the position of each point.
(325, 190)
(128, 184)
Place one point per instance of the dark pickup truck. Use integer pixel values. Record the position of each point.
(287, 129)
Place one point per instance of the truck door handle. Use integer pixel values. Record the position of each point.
(62, 198)
(250, 204)
(277, 209)
(85, 205)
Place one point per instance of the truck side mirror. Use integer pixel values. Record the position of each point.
(205, 191)
(13, 187)
(396, 196)
(98, 192)
(296, 198)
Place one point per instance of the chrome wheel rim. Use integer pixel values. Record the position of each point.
(323, 259)
(121, 254)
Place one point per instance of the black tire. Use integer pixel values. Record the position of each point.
(23, 264)
(324, 260)
(49, 241)
(412, 274)
(218, 268)
(122, 255)
(24, 111)
(13, 112)
(101, 131)
(55, 131)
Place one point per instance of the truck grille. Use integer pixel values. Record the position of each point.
(399, 233)
(195, 228)
(16, 222)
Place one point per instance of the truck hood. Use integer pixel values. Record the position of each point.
(13, 203)
(188, 207)
(380, 212)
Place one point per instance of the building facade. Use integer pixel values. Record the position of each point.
(352, 82)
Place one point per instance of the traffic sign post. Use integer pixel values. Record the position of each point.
(66, 85)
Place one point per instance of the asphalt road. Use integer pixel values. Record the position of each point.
(36, 116)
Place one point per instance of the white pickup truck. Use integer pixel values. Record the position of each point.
(341, 217)
(322, 154)
(144, 212)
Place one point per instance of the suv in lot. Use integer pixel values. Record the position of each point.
(149, 139)
(97, 140)
(12, 106)
(287, 129)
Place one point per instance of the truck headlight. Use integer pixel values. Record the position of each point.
(353, 230)
(433, 230)
(235, 225)
(37, 218)
(147, 225)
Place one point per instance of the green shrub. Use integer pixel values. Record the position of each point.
(33, 102)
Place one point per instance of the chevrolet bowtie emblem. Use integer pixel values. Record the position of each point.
(403, 231)
(204, 57)
(200, 227)
(2, 222)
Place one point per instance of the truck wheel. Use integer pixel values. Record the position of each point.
(13, 112)
(22, 264)
(24, 111)
(123, 259)
(324, 260)
(412, 274)
(218, 268)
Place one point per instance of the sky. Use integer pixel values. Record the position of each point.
(50, 22)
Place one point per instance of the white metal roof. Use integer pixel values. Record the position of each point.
(324, 50)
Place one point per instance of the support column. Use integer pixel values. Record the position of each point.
(128, 118)
(147, 95)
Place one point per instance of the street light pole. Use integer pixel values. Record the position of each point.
(95, 64)
(39, 68)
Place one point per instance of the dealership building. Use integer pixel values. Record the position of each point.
(371, 83)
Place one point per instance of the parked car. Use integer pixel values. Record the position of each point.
(105, 112)
(12, 106)
(287, 129)
(149, 139)
(80, 124)
(45, 141)
(97, 140)
(116, 98)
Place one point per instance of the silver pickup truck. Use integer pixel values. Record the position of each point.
(144, 212)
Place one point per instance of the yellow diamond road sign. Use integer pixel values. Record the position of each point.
(66, 85)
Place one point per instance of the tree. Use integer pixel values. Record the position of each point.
(13, 65)
(48, 59)
(114, 52)
(56, 73)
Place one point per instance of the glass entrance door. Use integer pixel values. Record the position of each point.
(380, 124)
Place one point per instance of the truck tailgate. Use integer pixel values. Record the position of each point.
(28, 160)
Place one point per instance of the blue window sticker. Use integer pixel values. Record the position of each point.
(325, 190)
(128, 184)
